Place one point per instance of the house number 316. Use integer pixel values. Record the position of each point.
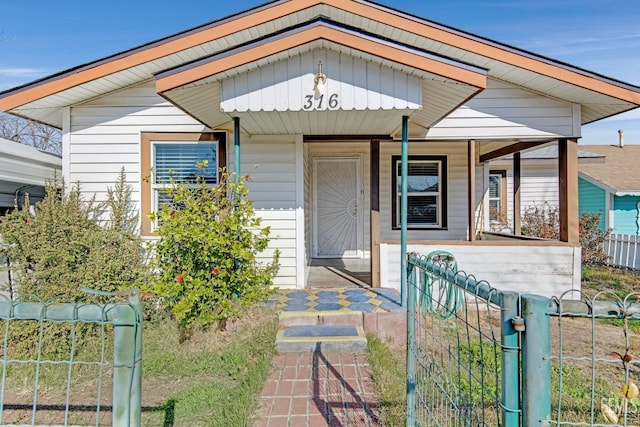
(332, 102)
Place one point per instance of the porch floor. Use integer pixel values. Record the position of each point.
(343, 300)
(339, 273)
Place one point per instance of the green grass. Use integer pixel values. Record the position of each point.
(217, 383)
(389, 375)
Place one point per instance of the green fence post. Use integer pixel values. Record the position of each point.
(536, 367)
(404, 201)
(411, 345)
(127, 363)
(510, 359)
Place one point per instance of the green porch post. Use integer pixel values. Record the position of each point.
(404, 170)
(236, 146)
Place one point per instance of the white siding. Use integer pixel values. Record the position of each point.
(457, 201)
(353, 84)
(270, 161)
(557, 268)
(104, 137)
(504, 111)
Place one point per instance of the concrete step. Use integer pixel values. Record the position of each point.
(325, 338)
(387, 325)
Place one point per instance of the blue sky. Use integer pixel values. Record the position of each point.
(41, 37)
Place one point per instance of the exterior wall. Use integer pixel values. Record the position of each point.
(457, 221)
(270, 161)
(625, 211)
(556, 267)
(504, 110)
(592, 198)
(103, 136)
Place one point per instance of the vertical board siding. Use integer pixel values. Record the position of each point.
(503, 110)
(592, 198)
(104, 137)
(457, 201)
(625, 214)
(270, 163)
(355, 83)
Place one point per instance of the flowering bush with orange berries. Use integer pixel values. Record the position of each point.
(207, 254)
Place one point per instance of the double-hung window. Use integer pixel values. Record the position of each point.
(174, 158)
(426, 192)
(497, 195)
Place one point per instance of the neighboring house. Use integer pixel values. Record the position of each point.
(611, 187)
(24, 169)
(538, 183)
(312, 99)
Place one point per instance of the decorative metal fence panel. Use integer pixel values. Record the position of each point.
(462, 354)
(71, 363)
(477, 356)
(623, 250)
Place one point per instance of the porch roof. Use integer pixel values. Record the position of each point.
(44, 100)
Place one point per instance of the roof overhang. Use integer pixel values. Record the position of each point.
(44, 100)
(195, 87)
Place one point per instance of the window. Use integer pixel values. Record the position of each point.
(167, 156)
(497, 195)
(426, 192)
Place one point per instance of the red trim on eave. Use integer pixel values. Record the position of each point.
(369, 46)
(46, 88)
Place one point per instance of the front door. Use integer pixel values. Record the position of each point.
(337, 203)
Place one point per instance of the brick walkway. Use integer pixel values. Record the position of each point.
(318, 389)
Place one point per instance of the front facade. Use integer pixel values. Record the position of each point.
(313, 99)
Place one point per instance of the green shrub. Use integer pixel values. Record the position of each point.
(61, 246)
(206, 256)
(64, 244)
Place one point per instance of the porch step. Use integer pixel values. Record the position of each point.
(325, 338)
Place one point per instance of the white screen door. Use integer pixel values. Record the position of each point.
(337, 201)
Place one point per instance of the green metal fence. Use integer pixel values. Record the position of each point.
(462, 355)
(71, 363)
(478, 356)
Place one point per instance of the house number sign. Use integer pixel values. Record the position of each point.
(321, 102)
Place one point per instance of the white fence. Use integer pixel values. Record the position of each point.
(622, 250)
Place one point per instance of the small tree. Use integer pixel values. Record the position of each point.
(206, 256)
(541, 221)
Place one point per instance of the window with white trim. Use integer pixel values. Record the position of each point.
(497, 195)
(426, 192)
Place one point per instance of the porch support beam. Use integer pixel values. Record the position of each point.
(375, 212)
(404, 172)
(568, 180)
(236, 146)
(471, 184)
(517, 207)
(509, 149)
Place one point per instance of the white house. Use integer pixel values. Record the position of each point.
(308, 97)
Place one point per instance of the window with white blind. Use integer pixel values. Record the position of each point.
(168, 157)
(497, 195)
(426, 192)
(176, 161)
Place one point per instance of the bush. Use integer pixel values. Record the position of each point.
(592, 239)
(61, 247)
(206, 256)
(541, 221)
